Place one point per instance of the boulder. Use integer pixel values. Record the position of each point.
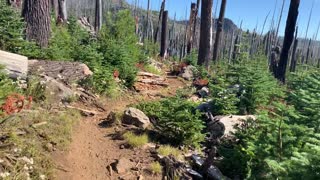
(226, 125)
(188, 72)
(16, 66)
(135, 117)
(204, 92)
(123, 165)
(57, 89)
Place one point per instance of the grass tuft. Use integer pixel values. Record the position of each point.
(136, 140)
(155, 168)
(167, 150)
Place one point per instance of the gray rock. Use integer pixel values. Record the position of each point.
(215, 174)
(188, 72)
(123, 165)
(135, 117)
(226, 125)
(205, 107)
(57, 89)
(204, 92)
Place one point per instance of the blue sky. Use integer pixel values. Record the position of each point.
(250, 11)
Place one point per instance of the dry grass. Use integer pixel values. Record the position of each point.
(167, 150)
(155, 168)
(136, 140)
(29, 154)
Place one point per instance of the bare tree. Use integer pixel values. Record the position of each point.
(37, 17)
(190, 31)
(163, 4)
(205, 27)
(288, 38)
(63, 15)
(219, 30)
(98, 16)
(164, 34)
(294, 53)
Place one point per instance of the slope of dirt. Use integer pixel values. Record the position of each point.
(92, 149)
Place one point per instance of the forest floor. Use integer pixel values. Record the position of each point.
(93, 147)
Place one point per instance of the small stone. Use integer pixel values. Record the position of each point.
(123, 165)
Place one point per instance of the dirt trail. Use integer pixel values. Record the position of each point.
(92, 148)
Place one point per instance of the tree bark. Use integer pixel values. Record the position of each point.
(164, 34)
(294, 54)
(63, 10)
(308, 51)
(98, 17)
(219, 30)
(37, 17)
(190, 33)
(288, 38)
(205, 27)
(55, 8)
(159, 20)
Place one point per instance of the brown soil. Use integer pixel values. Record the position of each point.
(93, 149)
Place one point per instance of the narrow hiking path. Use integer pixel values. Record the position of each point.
(92, 148)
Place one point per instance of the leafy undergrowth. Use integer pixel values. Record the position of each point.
(28, 138)
(176, 119)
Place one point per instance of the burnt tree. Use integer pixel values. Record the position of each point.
(37, 17)
(164, 34)
(98, 15)
(163, 4)
(219, 30)
(190, 32)
(294, 53)
(205, 33)
(288, 38)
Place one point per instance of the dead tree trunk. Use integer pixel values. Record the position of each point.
(190, 27)
(159, 20)
(288, 38)
(146, 34)
(308, 51)
(37, 16)
(98, 17)
(63, 10)
(55, 8)
(194, 35)
(219, 30)
(205, 27)
(164, 35)
(235, 49)
(294, 54)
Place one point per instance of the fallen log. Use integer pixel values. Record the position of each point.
(140, 73)
(14, 65)
(153, 82)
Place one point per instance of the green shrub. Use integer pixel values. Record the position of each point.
(118, 44)
(176, 120)
(136, 140)
(11, 28)
(283, 143)
(192, 58)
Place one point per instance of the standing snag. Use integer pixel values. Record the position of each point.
(37, 16)
(219, 30)
(205, 33)
(164, 34)
(288, 39)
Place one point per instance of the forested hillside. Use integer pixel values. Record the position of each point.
(106, 89)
